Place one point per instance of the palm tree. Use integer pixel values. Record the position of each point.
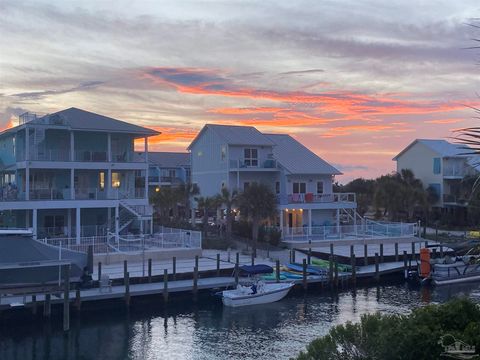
(188, 191)
(165, 199)
(206, 203)
(228, 199)
(258, 203)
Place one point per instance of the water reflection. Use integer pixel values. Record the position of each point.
(207, 330)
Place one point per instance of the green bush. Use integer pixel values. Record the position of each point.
(414, 336)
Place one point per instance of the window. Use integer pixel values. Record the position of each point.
(102, 180)
(251, 157)
(299, 188)
(277, 187)
(319, 187)
(223, 152)
(436, 166)
(115, 180)
(172, 173)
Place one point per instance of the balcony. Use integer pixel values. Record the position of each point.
(92, 156)
(249, 165)
(316, 198)
(454, 172)
(450, 199)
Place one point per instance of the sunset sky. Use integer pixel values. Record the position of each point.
(355, 81)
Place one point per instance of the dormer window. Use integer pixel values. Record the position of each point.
(251, 157)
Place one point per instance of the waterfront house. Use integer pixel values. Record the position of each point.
(73, 174)
(236, 156)
(441, 166)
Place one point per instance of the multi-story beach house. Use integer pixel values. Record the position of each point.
(236, 156)
(441, 166)
(74, 173)
(167, 168)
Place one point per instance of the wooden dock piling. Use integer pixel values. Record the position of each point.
(66, 297)
(195, 283)
(331, 250)
(127, 288)
(365, 255)
(253, 259)
(413, 251)
(304, 274)
(377, 273)
(309, 256)
(78, 300)
(237, 261)
(149, 270)
(34, 304)
(396, 252)
(99, 270)
(293, 256)
(336, 272)
(381, 253)
(218, 264)
(353, 263)
(165, 285)
(47, 306)
(196, 262)
(441, 251)
(330, 259)
(125, 270)
(277, 275)
(405, 264)
(174, 268)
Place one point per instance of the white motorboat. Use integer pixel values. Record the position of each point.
(258, 293)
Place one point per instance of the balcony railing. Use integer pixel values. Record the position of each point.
(90, 194)
(50, 194)
(51, 155)
(93, 156)
(253, 163)
(316, 198)
(455, 171)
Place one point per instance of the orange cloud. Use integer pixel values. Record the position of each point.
(444, 121)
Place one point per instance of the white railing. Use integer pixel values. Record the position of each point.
(92, 193)
(50, 194)
(253, 163)
(317, 198)
(50, 155)
(365, 230)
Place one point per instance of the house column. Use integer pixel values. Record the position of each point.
(27, 181)
(77, 225)
(72, 147)
(108, 186)
(309, 221)
(146, 169)
(109, 147)
(117, 223)
(34, 223)
(238, 180)
(72, 184)
(27, 143)
(69, 222)
(338, 221)
(281, 223)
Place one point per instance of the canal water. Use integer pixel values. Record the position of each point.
(208, 331)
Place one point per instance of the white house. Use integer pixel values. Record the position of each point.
(439, 165)
(74, 174)
(236, 156)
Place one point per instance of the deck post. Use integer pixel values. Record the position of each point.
(426, 243)
(293, 255)
(304, 274)
(413, 251)
(66, 297)
(381, 253)
(174, 268)
(127, 289)
(149, 270)
(331, 250)
(434, 253)
(353, 263)
(47, 306)
(125, 270)
(441, 251)
(365, 254)
(237, 260)
(99, 270)
(218, 264)
(396, 252)
(330, 275)
(196, 261)
(352, 250)
(253, 259)
(405, 265)
(309, 256)
(78, 300)
(277, 275)
(195, 283)
(165, 285)
(34, 304)
(336, 272)
(377, 273)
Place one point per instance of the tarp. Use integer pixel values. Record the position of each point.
(256, 269)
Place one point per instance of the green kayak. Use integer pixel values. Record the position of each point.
(326, 264)
(273, 276)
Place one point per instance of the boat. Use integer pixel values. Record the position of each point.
(258, 292)
(310, 269)
(25, 262)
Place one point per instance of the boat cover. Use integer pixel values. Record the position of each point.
(256, 269)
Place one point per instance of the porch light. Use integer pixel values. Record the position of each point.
(157, 189)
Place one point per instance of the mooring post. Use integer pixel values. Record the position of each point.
(237, 261)
(396, 252)
(253, 259)
(277, 275)
(127, 289)
(434, 253)
(304, 274)
(34, 304)
(352, 250)
(66, 297)
(353, 263)
(47, 307)
(78, 300)
(330, 259)
(331, 250)
(174, 268)
(336, 271)
(441, 252)
(218, 264)
(99, 270)
(377, 273)
(413, 251)
(293, 255)
(165, 285)
(309, 256)
(405, 264)
(426, 243)
(381, 252)
(365, 254)
(149, 270)
(196, 261)
(195, 283)
(125, 270)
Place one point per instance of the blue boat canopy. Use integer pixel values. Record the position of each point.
(256, 269)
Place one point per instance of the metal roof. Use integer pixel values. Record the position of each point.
(236, 135)
(168, 159)
(78, 119)
(442, 147)
(296, 158)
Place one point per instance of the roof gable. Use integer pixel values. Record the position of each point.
(441, 147)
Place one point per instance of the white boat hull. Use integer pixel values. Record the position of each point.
(272, 293)
(456, 273)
